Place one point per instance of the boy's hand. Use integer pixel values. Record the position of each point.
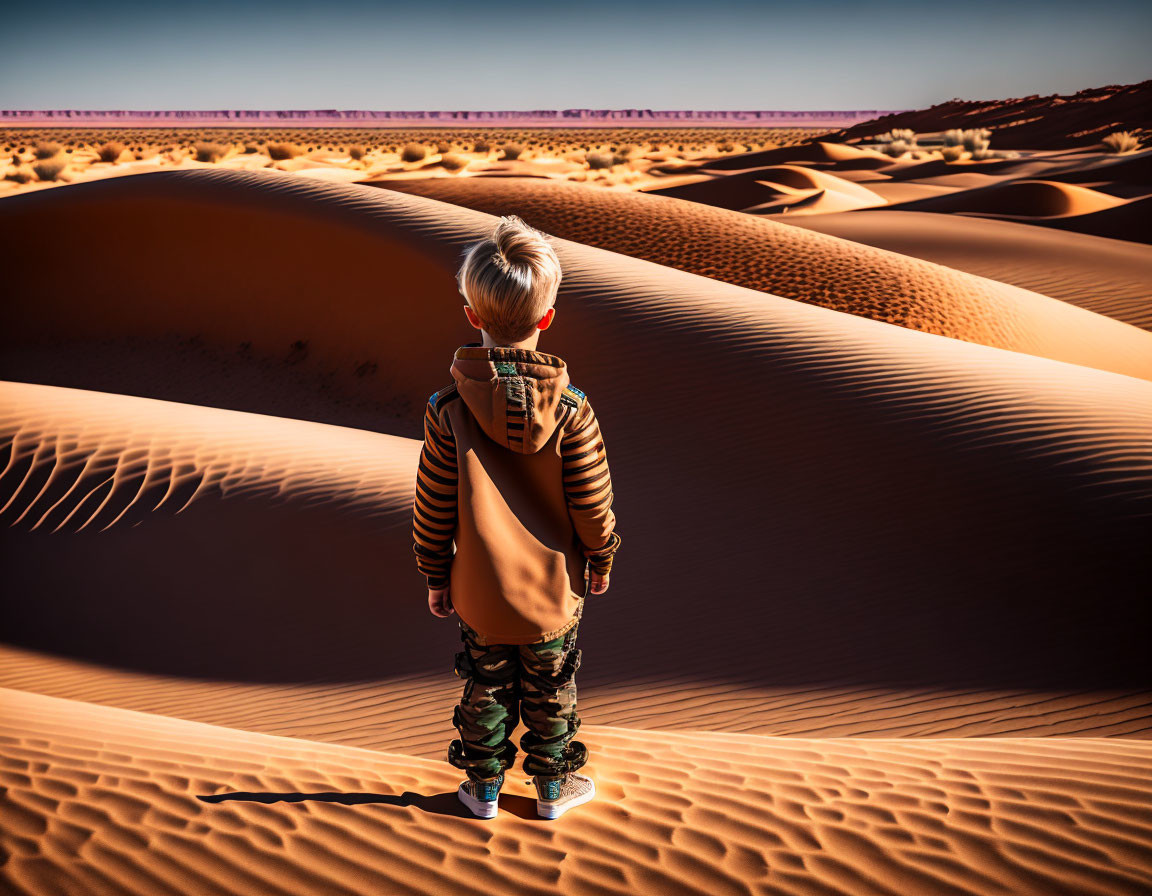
(440, 602)
(599, 582)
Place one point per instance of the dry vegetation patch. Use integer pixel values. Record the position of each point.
(622, 154)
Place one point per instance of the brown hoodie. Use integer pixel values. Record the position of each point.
(513, 469)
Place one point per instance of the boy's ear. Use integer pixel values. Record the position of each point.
(472, 318)
(546, 320)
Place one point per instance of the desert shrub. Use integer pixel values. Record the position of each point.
(413, 152)
(975, 139)
(598, 160)
(21, 174)
(907, 136)
(512, 150)
(981, 154)
(1122, 141)
(50, 169)
(454, 161)
(282, 151)
(210, 152)
(952, 152)
(47, 150)
(251, 148)
(110, 151)
(443, 147)
(953, 137)
(356, 151)
(896, 148)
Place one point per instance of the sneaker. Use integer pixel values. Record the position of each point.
(558, 795)
(481, 796)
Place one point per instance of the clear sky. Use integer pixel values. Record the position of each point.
(349, 54)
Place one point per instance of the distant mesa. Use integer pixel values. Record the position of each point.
(440, 118)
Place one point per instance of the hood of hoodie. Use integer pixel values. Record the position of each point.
(514, 393)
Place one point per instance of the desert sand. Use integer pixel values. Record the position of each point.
(903, 653)
(159, 805)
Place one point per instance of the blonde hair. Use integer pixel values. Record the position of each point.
(510, 279)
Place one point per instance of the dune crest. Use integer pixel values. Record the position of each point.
(1106, 276)
(787, 261)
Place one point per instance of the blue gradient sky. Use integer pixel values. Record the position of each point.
(516, 55)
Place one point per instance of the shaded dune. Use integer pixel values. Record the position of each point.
(253, 291)
(826, 494)
(1134, 171)
(76, 459)
(789, 262)
(1021, 198)
(201, 541)
(1050, 203)
(102, 798)
(1109, 277)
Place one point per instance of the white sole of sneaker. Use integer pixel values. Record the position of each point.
(552, 810)
(479, 808)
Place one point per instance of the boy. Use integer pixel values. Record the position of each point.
(513, 470)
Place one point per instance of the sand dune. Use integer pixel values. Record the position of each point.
(788, 262)
(1134, 170)
(896, 535)
(1021, 198)
(1050, 203)
(1048, 484)
(841, 155)
(1109, 277)
(102, 798)
(791, 187)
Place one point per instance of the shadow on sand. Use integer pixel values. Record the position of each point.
(437, 804)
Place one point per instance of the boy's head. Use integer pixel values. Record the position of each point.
(510, 280)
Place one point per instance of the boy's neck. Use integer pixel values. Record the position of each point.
(529, 343)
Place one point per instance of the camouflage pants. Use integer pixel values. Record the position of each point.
(507, 682)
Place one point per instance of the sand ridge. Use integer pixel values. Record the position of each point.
(783, 260)
(1109, 277)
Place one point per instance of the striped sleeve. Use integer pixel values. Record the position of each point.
(434, 507)
(588, 488)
